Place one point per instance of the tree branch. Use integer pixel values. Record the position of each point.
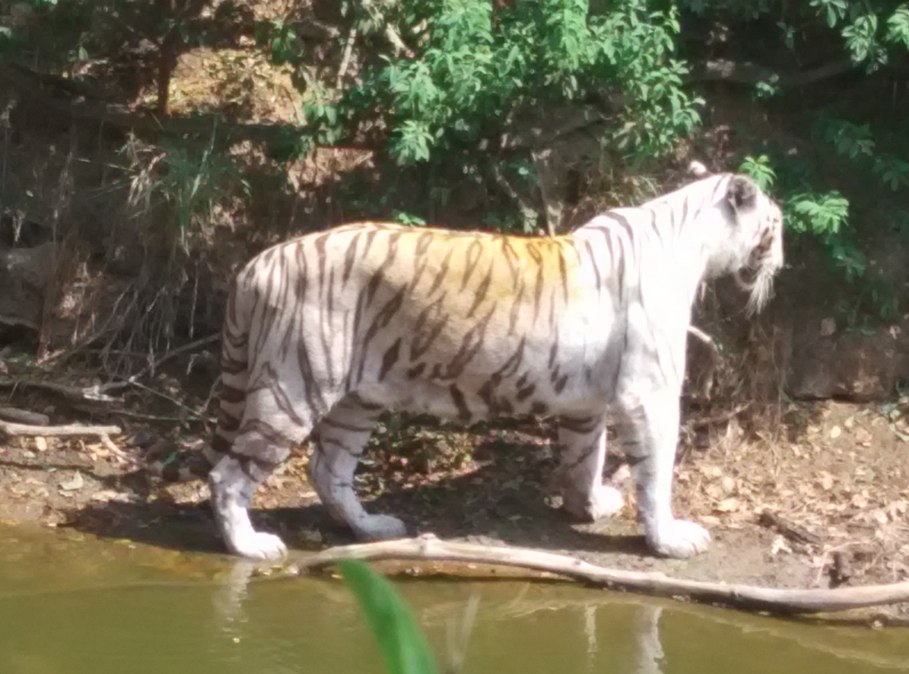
(749, 597)
(14, 430)
(746, 72)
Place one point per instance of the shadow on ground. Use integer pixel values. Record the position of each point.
(503, 500)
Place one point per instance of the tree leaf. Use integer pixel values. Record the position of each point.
(403, 645)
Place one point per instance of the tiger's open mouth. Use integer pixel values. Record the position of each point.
(758, 282)
(747, 277)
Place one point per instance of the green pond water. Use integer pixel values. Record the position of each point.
(84, 606)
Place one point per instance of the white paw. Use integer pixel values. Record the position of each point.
(258, 545)
(379, 528)
(604, 501)
(679, 538)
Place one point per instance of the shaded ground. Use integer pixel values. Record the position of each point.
(839, 490)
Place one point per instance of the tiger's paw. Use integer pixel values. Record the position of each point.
(379, 528)
(259, 545)
(679, 538)
(603, 501)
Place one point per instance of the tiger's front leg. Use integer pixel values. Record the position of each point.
(582, 442)
(649, 427)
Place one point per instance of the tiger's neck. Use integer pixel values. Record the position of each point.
(631, 254)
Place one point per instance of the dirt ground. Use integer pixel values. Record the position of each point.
(820, 502)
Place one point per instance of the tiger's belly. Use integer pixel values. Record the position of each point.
(474, 399)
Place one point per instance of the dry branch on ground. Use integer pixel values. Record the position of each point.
(428, 548)
(14, 430)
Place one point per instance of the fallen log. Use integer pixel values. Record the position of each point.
(428, 548)
(23, 416)
(17, 430)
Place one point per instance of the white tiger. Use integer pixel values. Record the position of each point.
(326, 331)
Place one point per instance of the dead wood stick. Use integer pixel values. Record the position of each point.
(722, 417)
(345, 58)
(748, 597)
(23, 416)
(78, 393)
(12, 430)
(791, 531)
(117, 453)
(706, 339)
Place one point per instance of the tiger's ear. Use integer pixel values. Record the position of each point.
(742, 193)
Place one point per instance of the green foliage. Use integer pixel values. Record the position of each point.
(760, 169)
(471, 71)
(898, 27)
(280, 40)
(849, 140)
(406, 218)
(834, 11)
(849, 185)
(821, 214)
(861, 26)
(403, 646)
(892, 171)
(190, 180)
(768, 88)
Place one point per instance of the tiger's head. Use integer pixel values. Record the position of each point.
(750, 244)
(760, 223)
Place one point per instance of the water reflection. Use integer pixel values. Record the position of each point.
(507, 626)
(83, 607)
(649, 648)
(589, 626)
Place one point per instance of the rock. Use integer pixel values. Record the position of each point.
(24, 275)
(858, 366)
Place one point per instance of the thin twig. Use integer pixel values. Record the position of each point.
(94, 393)
(345, 58)
(400, 47)
(708, 341)
(146, 417)
(790, 530)
(551, 208)
(116, 451)
(748, 597)
(191, 346)
(722, 417)
(170, 399)
(152, 367)
(528, 212)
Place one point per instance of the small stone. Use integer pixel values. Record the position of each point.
(727, 484)
(73, 484)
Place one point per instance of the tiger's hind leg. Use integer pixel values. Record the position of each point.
(650, 428)
(582, 442)
(232, 482)
(338, 442)
(245, 451)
